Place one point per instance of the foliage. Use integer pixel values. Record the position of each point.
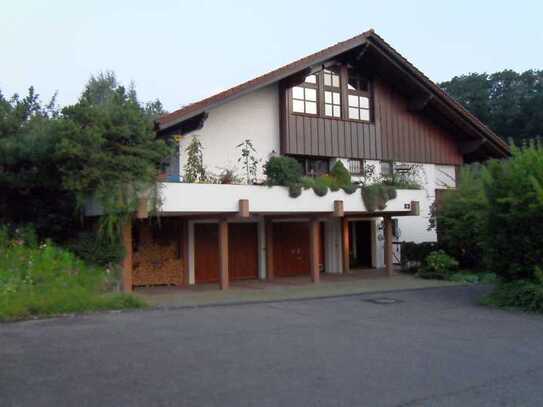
(295, 190)
(248, 160)
(522, 294)
(45, 279)
(108, 150)
(413, 254)
(340, 174)
(462, 219)
(376, 196)
(95, 250)
(320, 187)
(349, 189)
(438, 265)
(514, 217)
(473, 278)
(194, 167)
(510, 103)
(228, 176)
(283, 170)
(52, 161)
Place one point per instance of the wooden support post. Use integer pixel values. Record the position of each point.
(387, 230)
(127, 261)
(345, 244)
(269, 249)
(314, 249)
(223, 254)
(243, 208)
(338, 209)
(185, 250)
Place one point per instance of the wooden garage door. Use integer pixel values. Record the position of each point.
(243, 251)
(206, 256)
(291, 248)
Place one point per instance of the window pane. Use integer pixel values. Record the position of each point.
(297, 106)
(297, 92)
(335, 81)
(364, 114)
(311, 79)
(336, 98)
(327, 97)
(311, 107)
(353, 113)
(327, 79)
(350, 87)
(386, 168)
(311, 94)
(353, 101)
(328, 110)
(364, 102)
(337, 111)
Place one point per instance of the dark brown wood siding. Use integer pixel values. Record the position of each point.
(394, 134)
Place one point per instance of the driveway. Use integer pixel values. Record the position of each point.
(433, 347)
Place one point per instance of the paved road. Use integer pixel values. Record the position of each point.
(436, 348)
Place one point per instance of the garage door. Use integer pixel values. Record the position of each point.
(242, 252)
(291, 248)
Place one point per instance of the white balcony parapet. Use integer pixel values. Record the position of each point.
(178, 198)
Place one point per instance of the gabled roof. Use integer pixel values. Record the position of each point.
(440, 100)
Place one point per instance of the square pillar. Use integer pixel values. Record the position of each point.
(345, 244)
(314, 240)
(269, 249)
(127, 260)
(387, 230)
(223, 254)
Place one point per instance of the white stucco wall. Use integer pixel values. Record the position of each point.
(254, 116)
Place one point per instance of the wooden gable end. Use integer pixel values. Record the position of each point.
(395, 132)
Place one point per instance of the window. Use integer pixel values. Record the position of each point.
(332, 94)
(314, 166)
(356, 167)
(358, 97)
(387, 168)
(304, 97)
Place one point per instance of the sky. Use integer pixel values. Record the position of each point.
(182, 51)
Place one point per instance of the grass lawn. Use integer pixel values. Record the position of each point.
(48, 280)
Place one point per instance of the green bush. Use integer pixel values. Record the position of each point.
(376, 196)
(438, 264)
(522, 294)
(340, 174)
(461, 219)
(283, 170)
(320, 187)
(413, 254)
(514, 227)
(46, 279)
(349, 189)
(295, 190)
(96, 250)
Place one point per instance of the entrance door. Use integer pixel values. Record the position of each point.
(360, 236)
(291, 248)
(206, 256)
(243, 251)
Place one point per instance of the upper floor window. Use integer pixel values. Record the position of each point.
(314, 166)
(304, 96)
(387, 168)
(356, 167)
(332, 94)
(358, 97)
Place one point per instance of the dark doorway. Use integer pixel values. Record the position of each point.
(360, 243)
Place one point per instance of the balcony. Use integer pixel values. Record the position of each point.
(184, 198)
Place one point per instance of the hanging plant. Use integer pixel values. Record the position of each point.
(376, 196)
(294, 190)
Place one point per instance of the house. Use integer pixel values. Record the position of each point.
(359, 102)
